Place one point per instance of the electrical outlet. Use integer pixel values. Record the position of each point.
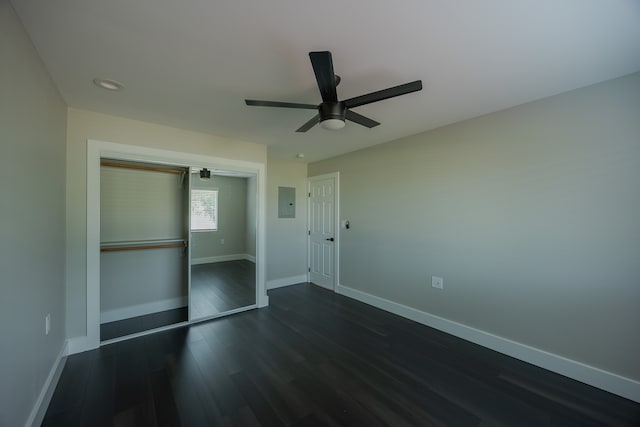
(437, 282)
(222, 241)
(47, 324)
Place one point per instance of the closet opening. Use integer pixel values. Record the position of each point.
(156, 232)
(143, 247)
(177, 245)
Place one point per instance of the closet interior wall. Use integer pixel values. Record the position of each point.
(143, 259)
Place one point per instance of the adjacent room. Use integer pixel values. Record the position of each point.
(279, 214)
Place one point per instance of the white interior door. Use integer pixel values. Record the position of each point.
(322, 231)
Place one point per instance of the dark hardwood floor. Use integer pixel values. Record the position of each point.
(314, 358)
(121, 328)
(222, 286)
(215, 288)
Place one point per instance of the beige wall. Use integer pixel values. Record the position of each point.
(531, 215)
(32, 221)
(83, 125)
(286, 237)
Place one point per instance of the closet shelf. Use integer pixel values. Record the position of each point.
(140, 245)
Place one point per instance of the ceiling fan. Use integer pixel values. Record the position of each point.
(331, 112)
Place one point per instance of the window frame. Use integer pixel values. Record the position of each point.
(215, 207)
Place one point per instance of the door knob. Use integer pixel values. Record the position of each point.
(331, 239)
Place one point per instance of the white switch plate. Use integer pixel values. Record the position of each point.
(437, 282)
(222, 241)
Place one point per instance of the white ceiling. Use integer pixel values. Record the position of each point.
(191, 63)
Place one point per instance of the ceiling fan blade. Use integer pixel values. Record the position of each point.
(383, 94)
(311, 123)
(323, 68)
(254, 102)
(360, 119)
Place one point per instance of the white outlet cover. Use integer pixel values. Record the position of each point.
(437, 282)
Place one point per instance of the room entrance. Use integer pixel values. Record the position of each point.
(323, 230)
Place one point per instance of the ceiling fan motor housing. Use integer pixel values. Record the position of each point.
(332, 110)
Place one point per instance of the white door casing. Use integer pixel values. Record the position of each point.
(323, 230)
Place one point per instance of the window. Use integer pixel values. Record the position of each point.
(204, 210)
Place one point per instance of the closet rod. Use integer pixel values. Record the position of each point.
(141, 167)
(138, 247)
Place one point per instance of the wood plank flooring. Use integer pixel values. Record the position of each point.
(314, 358)
(222, 286)
(124, 327)
(215, 288)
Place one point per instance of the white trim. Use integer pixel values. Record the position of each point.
(77, 345)
(286, 281)
(262, 298)
(92, 341)
(143, 309)
(98, 149)
(42, 402)
(336, 225)
(625, 387)
(222, 258)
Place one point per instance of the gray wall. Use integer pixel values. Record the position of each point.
(141, 205)
(32, 224)
(286, 237)
(232, 219)
(135, 283)
(531, 215)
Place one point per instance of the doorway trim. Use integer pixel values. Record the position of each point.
(336, 225)
(98, 149)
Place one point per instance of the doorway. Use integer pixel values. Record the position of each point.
(323, 226)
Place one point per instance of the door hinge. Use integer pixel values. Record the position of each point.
(309, 231)
(309, 269)
(309, 193)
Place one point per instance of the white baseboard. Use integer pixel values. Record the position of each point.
(78, 345)
(221, 258)
(142, 309)
(596, 377)
(42, 403)
(286, 281)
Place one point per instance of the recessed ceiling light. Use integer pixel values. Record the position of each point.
(108, 84)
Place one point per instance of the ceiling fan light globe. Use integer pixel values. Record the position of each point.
(332, 124)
